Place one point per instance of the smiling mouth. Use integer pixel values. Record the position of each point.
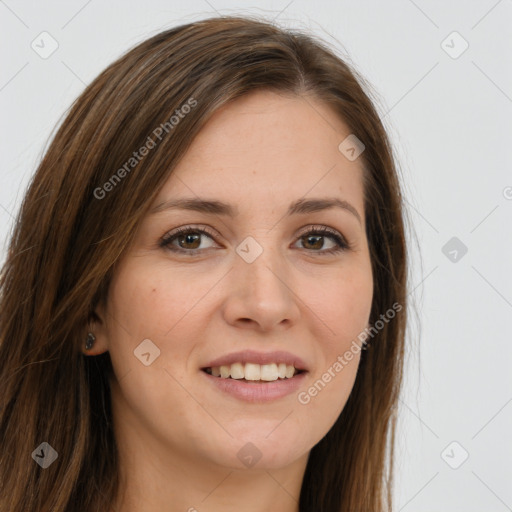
(254, 373)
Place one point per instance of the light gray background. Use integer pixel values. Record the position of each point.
(450, 120)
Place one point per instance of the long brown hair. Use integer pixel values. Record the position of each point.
(72, 229)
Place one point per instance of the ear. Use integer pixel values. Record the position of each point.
(97, 326)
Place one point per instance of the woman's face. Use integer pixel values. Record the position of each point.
(255, 281)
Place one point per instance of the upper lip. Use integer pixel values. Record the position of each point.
(252, 356)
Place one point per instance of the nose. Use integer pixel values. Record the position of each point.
(260, 295)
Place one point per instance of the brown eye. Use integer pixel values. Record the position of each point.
(314, 240)
(185, 240)
(189, 240)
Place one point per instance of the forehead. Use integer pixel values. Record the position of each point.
(265, 148)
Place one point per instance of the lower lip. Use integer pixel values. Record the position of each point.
(264, 392)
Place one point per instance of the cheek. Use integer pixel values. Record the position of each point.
(144, 305)
(343, 303)
(145, 301)
(344, 306)
(149, 302)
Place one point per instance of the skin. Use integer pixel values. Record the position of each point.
(178, 435)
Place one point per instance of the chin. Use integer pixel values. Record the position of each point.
(254, 451)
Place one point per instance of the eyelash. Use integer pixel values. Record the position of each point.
(165, 242)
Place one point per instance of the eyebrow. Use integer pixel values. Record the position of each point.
(299, 207)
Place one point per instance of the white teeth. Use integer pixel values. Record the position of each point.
(254, 372)
(269, 371)
(290, 370)
(237, 371)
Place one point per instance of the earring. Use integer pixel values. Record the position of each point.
(90, 341)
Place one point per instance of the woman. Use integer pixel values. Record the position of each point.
(212, 238)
